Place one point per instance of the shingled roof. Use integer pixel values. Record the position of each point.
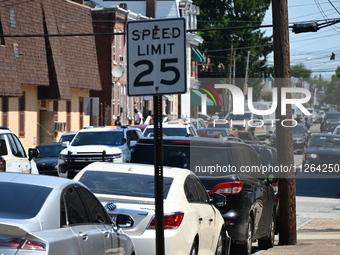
(55, 64)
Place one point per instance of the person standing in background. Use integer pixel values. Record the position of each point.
(138, 117)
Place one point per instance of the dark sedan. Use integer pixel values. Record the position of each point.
(48, 158)
(300, 135)
(322, 154)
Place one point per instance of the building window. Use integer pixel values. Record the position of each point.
(114, 48)
(81, 112)
(5, 111)
(22, 108)
(2, 39)
(55, 110)
(68, 116)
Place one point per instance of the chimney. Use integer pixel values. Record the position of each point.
(151, 8)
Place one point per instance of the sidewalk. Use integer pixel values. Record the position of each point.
(316, 237)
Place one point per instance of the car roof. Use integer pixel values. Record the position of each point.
(4, 129)
(169, 125)
(326, 134)
(106, 129)
(49, 144)
(40, 180)
(135, 168)
(195, 141)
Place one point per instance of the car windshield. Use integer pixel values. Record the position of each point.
(99, 138)
(245, 116)
(212, 133)
(325, 141)
(66, 138)
(49, 151)
(334, 115)
(216, 124)
(21, 201)
(167, 131)
(123, 184)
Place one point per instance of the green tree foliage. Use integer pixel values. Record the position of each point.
(300, 71)
(332, 90)
(218, 43)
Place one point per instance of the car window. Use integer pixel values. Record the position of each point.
(195, 191)
(49, 151)
(3, 147)
(99, 138)
(16, 146)
(76, 211)
(21, 201)
(132, 135)
(123, 184)
(97, 213)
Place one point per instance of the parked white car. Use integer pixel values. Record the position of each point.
(13, 157)
(192, 223)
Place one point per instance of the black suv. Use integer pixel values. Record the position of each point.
(250, 212)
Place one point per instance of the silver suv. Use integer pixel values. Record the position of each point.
(97, 144)
(13, 157)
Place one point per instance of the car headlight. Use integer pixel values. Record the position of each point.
(312, 155)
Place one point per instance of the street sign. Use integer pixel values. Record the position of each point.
(156, 57)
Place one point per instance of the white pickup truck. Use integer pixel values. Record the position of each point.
(97, 144)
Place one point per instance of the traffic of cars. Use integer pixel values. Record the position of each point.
(210, 205)
(191, 221)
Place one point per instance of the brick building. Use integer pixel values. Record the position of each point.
(44, 80)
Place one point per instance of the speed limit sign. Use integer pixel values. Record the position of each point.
(156, 57)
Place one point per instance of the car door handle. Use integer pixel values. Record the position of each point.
(211, 220)
(200, 219)
(84, 236)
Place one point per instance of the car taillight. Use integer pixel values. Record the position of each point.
(2, 165)
(171, 221)
(22, 244)
(228, 188)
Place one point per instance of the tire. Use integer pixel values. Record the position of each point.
(246, 247)
(268, 242)
(221, 244)
(194, 249)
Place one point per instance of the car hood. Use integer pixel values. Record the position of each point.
(49, 161)
(92, 148)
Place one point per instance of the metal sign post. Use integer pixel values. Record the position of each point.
(156, 65)
(158, 156)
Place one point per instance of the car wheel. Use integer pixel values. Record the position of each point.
(221, 245)
(194, 249)
(246, 247)
(268, 242)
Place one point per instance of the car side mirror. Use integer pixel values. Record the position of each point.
(32, 153)
(219, 199)
(65, 144)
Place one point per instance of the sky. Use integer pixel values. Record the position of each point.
(313, 49)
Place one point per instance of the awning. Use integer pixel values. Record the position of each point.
(164, 97)
(196, 98)
(196, 55)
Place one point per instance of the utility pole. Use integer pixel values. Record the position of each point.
(287, 188)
